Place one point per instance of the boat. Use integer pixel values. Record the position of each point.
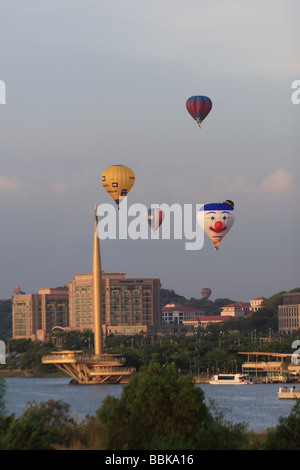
(289, 393)
(230, 379)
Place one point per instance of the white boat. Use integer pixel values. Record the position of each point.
(230, 379)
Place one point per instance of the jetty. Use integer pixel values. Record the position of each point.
(289, 393)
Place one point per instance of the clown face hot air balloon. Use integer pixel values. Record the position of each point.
(118, 180)
(216, 219)
(155, 218)
(199, 107)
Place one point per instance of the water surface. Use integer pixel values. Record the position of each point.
(256, 405)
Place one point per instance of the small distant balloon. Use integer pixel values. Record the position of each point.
(118, 180)
(206, 293)
(216, 219)
(155, 218)
(199, 107)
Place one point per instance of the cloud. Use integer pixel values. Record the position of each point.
(9, 184)
(280, 182)
(60, 187)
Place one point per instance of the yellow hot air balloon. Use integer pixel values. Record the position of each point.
(118, 180)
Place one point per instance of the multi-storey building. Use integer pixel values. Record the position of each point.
(25, 309)
(129, 306)
(257, 304)
(289, 313)
(34, 315)
(237, 309)
(175, 314)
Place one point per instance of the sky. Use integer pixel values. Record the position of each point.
(92, 83)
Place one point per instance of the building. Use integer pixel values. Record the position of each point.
(17, 290)
(203, 321)
(129, 306)
(289, 313)
(236, 309)
(175, 314)
(35, 315)
(257, 303)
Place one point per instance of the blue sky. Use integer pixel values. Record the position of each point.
(95, 83)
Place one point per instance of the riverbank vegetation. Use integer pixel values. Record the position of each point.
(160, 409)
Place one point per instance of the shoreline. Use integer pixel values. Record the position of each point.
(29, 373)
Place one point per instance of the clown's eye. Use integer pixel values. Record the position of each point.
(212, 218)
(224, 218)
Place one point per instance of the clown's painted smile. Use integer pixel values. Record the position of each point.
(218, 229)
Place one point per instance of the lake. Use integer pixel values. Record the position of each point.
(257, 405)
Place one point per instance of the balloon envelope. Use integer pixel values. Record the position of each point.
(216, 219)
(118, 180)
(199, 107)
(206, 293)
(155, 218)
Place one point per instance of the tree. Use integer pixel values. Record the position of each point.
(39, 427)
(286, 435)
(162, 410)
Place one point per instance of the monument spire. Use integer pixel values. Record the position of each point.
(97, 297)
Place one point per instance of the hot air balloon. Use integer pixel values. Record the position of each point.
(216, 219)
(118, 180)
(199, 107)
(206, 293)
(155, 218)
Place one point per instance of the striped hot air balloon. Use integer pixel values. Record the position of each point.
(206, 293)
(199, 107)
(155, 218)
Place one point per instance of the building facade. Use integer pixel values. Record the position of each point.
(205, 320)
(175, 314)
(129, 306)
(35, 315)
(236, 309)
(289, 313)
(257, 303)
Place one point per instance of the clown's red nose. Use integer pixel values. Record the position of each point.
(218, 225)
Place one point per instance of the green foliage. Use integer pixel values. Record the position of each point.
(162, 410)
(286, 435)
(39, 428)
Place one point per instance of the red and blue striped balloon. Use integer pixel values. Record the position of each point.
(199, 107)
(155, 218)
